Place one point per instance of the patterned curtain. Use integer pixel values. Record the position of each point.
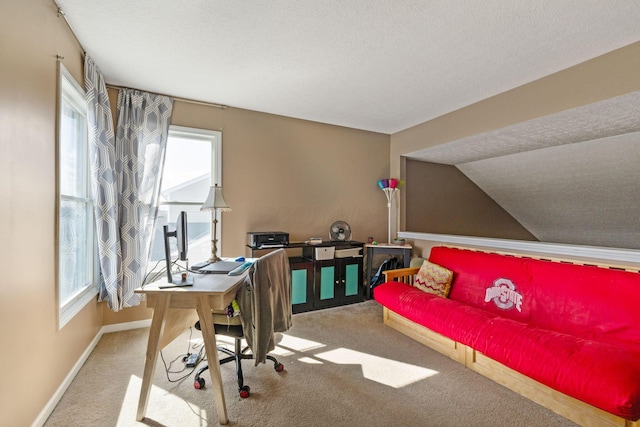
(141, 142)
(126, 170)
(102, 153)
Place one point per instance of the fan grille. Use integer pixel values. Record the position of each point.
(340, 231)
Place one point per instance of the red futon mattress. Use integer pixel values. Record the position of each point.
(571, 327)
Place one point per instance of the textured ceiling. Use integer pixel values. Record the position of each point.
(571, 177)
(387, 65)
(585, 193)
(377, 65)
(602, 119)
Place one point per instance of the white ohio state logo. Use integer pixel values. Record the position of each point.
(504, 295)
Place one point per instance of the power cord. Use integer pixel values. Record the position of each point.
(152, 276)
(183, 359)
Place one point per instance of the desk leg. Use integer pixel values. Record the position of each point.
(209, 338)
(153, 347)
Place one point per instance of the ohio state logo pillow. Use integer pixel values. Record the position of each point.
(504, 295)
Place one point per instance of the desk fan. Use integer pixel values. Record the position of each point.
(340, 231)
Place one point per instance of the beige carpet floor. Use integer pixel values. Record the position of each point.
(343, 367)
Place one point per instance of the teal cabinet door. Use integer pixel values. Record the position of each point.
(325, 290)
(351, 279)
(327, 283)
(337, 282)
(352, 285)
(301, 285)
(298, 286)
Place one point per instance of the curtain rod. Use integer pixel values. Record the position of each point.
(61, 13)
(175, 98)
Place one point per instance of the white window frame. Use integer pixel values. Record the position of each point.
(216, 147)
(74, 95)
(215, 137)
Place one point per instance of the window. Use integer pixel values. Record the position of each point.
(192, 165)
(77, 264)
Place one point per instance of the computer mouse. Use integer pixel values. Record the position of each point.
(240, 259)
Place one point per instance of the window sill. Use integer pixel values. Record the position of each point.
(73, 307)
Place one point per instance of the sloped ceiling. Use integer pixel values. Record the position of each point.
(378, 65)
(572, 177)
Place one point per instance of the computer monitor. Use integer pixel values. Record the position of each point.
(181, 236)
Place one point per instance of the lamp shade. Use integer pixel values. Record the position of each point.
(215, 200)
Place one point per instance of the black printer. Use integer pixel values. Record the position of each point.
(267, 239)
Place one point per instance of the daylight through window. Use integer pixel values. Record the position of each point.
(192, 159)
(76, 253)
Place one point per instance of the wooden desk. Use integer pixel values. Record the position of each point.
(209, 292)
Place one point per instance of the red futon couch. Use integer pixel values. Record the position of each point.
(564, 335)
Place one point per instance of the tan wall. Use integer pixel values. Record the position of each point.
(293, 175)
(610, 75)
(278, 173)
(36, 356)
(284, 174)
(450, 203)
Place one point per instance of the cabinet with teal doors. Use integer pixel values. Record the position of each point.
(319, 283)
(337, 282)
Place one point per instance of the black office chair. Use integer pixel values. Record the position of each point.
(239, 353)
(270, 272)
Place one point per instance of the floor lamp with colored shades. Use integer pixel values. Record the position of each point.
(390, 186)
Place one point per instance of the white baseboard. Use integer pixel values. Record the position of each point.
(117, 327)
(51, 404)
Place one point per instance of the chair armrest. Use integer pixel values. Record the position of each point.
(404, 275)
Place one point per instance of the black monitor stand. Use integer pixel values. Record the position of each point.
(184, 279)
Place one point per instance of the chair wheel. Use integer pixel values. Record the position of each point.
(198, 383)
(244, 392)
(279, 367)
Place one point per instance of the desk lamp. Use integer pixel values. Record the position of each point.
(215, 202)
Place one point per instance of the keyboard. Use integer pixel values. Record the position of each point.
(240, 269)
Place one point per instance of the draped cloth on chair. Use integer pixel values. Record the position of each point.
(265, 303)
(127, 172)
